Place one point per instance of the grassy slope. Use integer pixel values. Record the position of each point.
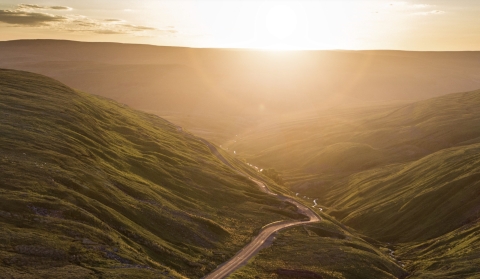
(326, 249)
(389, 164)
(91, 188)
(453, 255)
(407, 175)
(414, 201)
(429, 209)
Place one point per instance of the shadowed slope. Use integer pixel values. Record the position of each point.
(453, 255)
(416, 201)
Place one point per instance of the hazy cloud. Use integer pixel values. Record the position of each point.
(20, 17)
(135, 27)
(413, 9)
(421, 6)
(434, 12)
(403, 5)
(108, 32)
(39, 7)
(60, 8)
(78, 23)
(29, 6)
(31, 15)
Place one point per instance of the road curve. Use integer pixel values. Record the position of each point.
(265, 235)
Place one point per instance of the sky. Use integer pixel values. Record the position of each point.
(436, 25)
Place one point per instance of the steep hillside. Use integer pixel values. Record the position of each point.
(341, 142)
(217, 91)
(331, 250)
(416, 201)
(453, 255)
(324, 250)
(407, 175)
(91, 188)
(387, 171)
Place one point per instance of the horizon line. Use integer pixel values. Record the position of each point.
(238, 48)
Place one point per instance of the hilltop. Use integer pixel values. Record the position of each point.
(92, 188)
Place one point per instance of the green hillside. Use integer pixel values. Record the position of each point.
(453, 255)
(91, 188)
(323, 249)
(405, 175)
(396, 173)
(333, 251)
(412, 202)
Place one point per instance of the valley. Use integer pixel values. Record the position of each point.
(178, 168)
(93, 188)
(405, 176)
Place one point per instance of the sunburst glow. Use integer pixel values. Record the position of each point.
(281, 21)
(266, 24)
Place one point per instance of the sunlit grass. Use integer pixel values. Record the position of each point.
(92, 187)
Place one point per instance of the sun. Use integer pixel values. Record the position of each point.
(281, 21)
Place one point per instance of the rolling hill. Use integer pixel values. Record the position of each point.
(379, 157)
(94, 188)
(91, 188)
(344, 141)
(405, 175)
(416, 201)
(219, 93)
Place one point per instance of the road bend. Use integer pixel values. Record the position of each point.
(266, 234)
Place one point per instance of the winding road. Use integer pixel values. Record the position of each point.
(265, 237)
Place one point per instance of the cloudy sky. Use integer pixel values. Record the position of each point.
(311, 24)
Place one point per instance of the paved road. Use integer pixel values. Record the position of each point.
(266, 234)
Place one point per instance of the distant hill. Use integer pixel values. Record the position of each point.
(91, 188)
(351, 140)
(218, 93)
